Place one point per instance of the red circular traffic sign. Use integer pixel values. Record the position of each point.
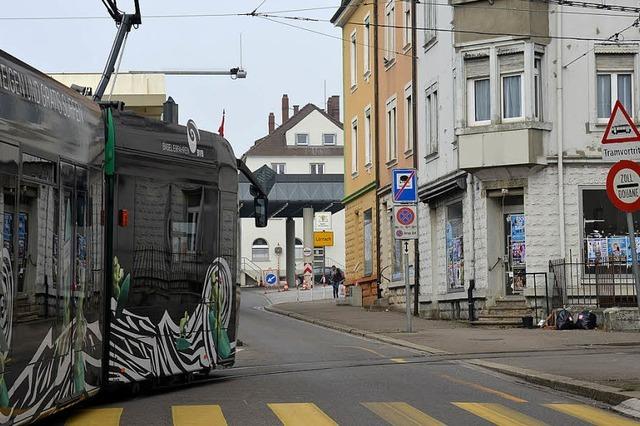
(623, 185)
(405, 216)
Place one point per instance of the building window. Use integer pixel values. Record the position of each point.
(408, 121)
(392, 131)
(479, 101)
(317, 168)
(605, 230)
(302, 139)
(614, 82)
(354, 146)
(329, 138)
(537, 89)
(389, 32)
(279, 168)
(299, 249)
(454, 247)
(407, 24)
(366, 57)
(429, 22)
(431, 115)
(367, 136)
(512, 96)
(353, 60)
(368, 242)
(260, 250)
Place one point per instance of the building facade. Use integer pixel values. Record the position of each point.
(309, 142)
(358, 22)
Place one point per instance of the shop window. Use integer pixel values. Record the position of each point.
(368, 243)
(260, 250)
(605, 231)
(454, 247)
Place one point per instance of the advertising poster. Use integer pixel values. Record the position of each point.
(7, 230)
(596, 249)
(617, 248)
(518, 253)
(517, 228)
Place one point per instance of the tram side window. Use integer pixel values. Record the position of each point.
(37, 237)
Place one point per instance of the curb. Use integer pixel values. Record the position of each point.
(602, 393)
(357, 332)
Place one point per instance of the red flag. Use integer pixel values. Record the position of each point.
(221, 128)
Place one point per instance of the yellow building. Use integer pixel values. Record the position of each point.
(357, 18)
(396, 145)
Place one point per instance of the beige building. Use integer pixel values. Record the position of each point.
(141, 93)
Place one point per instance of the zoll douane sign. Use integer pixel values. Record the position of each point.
(623, 185)
(621, 139)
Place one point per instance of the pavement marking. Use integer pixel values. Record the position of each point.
(498, 414)
(197, 415)
(484, 389)
(96, 417)
(301, 414)
(364, 349)
(592, 415)
(399, 360)
(401, 414)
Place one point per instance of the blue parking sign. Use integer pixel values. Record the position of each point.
(405, 188)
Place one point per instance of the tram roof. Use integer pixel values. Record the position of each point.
(293, 192)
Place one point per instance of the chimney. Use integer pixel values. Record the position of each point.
(296, 109)
(170, 111)
(333, 107)
(272, 122)
(285, 108)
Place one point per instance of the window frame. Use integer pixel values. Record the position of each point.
(367, 137)
(264, 247)
(276, 166)
(504, 76)
(430, 21)
(319, 168)
(366, 54)
(613, 87)
(298, 141)
(432, 135)
(408, 120)
(407, 36)
(389, 34)
(353, 59)
(447, 206)
(471, 104)
(392, 148)
(335, 139)
(354, 147)
(367, 263)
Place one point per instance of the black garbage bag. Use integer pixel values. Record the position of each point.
(564, 320)
(586, 320)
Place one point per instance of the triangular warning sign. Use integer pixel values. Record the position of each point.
(621, 127)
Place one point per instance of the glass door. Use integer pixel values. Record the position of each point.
(515, 244)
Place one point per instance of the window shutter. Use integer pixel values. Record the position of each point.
(614, 62)
(513, 62)
(476, 67)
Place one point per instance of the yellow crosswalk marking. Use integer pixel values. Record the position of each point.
(301, 414)
(198, 415)
(592, 415)
(401, 414)
(96, 417)
(498, 414)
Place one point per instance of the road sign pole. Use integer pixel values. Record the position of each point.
(407, 287)
(634, 257)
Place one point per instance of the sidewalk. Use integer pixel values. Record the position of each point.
(600, 365)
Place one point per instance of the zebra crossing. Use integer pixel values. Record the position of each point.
(393, 413)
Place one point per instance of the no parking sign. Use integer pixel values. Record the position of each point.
(405, 219)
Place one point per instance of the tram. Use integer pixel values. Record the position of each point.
(118, 247)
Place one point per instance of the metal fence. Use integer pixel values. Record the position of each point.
(603, 283)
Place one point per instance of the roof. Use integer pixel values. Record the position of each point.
(343, 5)
(275, 144)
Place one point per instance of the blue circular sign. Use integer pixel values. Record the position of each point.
(271, 279)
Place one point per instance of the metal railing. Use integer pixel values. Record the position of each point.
(248, 267)
(602, 283)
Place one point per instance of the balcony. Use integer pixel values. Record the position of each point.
(502, 145)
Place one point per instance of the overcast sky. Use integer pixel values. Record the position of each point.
(278, 59)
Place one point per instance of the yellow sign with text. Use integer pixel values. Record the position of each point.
(323, 239)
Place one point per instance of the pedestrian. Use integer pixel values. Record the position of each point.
(336, 279)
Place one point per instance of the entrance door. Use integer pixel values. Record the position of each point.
(515, 246)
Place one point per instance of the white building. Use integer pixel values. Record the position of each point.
(310, 142)
(511, 112)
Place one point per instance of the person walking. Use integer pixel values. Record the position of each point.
(336, 279)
